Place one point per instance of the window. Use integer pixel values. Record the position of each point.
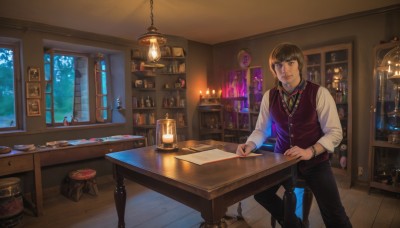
(68, 91)
(8, 88)
(101, 89)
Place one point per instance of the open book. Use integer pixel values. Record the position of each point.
(209, 156)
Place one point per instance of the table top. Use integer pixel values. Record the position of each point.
(208, 180)
(75, 144)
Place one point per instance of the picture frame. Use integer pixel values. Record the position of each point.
(33, 90)
(34, 74)
(33, 107)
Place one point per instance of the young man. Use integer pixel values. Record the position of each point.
(307, 126)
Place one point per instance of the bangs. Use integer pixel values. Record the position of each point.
(285, 53)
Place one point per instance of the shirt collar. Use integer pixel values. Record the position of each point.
(299, 88)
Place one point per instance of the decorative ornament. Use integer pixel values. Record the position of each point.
(244, 59)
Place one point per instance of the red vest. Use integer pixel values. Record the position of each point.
(300, 127)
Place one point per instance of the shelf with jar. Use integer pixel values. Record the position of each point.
(241, 100)
(385, 118)
(331, 67)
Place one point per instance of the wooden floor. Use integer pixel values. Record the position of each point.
(146, 208)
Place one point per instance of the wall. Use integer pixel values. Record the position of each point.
(199, 68)
(32, 37)
(363, 30)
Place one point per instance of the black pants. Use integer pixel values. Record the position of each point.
(322, 183)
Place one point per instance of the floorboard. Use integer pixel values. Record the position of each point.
(149, 209)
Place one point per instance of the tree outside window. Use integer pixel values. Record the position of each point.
(66, 92)
(67, 89)
(8, 116)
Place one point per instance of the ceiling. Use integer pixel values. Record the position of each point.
(205, 21)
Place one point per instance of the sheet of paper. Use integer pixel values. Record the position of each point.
(209, 156)
(201, 147)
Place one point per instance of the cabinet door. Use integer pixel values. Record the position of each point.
(385, 121)
(331, 67)
(210, 122)
(386, 94)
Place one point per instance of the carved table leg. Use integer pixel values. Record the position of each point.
(120, 197)
(213, 214)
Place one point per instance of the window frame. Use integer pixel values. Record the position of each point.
(98, 93)
(90, 70)
(18, 92)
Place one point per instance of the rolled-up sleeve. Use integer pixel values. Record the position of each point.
(260, 133)
(329, 120)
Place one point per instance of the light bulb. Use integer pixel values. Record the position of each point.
(154, 51)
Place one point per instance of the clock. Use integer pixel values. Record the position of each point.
(244, 59)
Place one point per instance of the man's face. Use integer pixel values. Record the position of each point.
(287, 72)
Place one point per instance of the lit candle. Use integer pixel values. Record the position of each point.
(213, 92)
(201, 94)
(168, 138)
(208, 93)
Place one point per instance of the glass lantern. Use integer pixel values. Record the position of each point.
(166, 138)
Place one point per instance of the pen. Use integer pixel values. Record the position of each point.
(244, 149)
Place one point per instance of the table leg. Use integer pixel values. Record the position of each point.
(119, 197)
(289, 201)
(38, 193)
(213, 215)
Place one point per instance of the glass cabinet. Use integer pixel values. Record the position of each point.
(385, 119)
(331, 67)
(241, 99)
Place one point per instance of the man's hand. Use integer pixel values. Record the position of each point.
(245, 149)
(302, 154)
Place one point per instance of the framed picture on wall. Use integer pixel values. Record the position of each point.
(33, 90)
(34, 74)
(33, 107)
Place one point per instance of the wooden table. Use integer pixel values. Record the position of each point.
(19, 161)
(210, 188)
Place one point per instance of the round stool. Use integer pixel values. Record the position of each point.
(11, 202)
(81, 181)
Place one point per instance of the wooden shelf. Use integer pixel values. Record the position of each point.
(167, 71)
(145, 126)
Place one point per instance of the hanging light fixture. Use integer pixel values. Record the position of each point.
(153, 39)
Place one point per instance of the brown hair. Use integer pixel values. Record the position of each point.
(286, 52)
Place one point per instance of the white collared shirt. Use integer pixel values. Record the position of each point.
(327, 116)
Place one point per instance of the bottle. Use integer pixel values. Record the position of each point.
(148, 102)
(141, 102)
(178, 99)
(65, 121)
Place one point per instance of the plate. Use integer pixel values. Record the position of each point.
(57, 143)
(5, 149)
(24, 147)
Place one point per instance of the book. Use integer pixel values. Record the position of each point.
(208, 156)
